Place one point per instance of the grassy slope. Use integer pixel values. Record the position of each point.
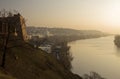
(27, 63)
(5, 75)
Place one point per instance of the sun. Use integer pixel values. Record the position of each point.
(112, 15)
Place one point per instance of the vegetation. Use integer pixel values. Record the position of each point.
(62, 54)
(3, 75)
(93, 75)
(25, 62)
(65, 57)
(117, 40)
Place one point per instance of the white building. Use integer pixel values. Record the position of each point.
(46, 48)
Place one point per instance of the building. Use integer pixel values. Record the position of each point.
(46, 48)
(14, 26)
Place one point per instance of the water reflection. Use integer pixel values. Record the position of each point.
(99, 55)
(117, 51)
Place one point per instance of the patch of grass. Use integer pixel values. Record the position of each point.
(25, 62)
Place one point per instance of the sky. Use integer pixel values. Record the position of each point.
(103, 15)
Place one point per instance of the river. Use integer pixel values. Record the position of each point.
(99, 55)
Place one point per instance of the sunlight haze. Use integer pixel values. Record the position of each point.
(103, 15)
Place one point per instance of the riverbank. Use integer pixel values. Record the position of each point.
(117, 40)
(72, 38)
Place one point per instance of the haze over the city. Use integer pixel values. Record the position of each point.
(103, 15)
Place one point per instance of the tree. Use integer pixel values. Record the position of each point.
(93, 75)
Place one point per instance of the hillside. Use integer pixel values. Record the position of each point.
(25, 62)
(63, 31)
(4, 75)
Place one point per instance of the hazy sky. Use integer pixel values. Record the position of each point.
(102, 15)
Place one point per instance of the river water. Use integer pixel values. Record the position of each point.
(98, 54)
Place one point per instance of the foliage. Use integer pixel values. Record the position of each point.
(93, 75)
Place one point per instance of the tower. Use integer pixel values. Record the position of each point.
(12, 28)
(16, 24)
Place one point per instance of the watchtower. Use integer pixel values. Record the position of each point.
(16, 24)
(12, 29)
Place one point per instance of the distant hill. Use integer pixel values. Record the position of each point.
(62, 31)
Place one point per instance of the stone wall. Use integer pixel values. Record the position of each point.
(16, 24)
